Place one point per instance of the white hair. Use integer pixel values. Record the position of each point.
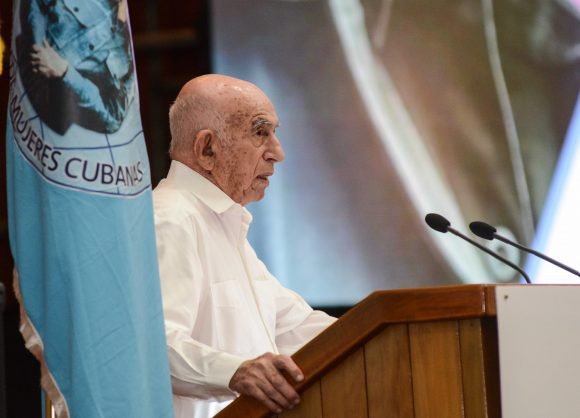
(190, 114)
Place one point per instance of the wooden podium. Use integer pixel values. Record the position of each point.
(417, 353)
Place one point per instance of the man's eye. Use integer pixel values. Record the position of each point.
(262, 132)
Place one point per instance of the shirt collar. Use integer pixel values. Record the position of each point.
(211, 195)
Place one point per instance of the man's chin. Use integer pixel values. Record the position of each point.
(253, 195)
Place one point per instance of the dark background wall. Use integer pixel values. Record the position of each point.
(171, 42)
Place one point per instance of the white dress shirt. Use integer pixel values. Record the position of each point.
(222, 306)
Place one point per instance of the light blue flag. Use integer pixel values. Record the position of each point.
(80, 212)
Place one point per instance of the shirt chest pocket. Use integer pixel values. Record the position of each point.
(226, 294)
(83, 29)
(88, 13)
(230, 318)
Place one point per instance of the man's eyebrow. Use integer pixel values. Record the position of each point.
(260, 122)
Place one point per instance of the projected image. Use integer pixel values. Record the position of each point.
(393, 109)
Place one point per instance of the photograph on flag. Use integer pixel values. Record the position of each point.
(80, 58)
(72, 103)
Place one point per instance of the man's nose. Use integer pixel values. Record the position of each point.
(275, 152)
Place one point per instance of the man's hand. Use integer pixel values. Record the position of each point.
(47, 62)
(262, 379)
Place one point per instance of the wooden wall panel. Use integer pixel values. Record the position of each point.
(436, 368)
(310, 404)
(344, 389)
(388, 368)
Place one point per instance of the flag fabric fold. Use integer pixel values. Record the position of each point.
(80, 212)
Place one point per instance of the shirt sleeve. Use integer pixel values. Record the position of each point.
(197, 370)
(33, 22)
(110, 100)
(296, 322)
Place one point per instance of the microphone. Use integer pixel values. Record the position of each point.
(441, 224)
(486, 231)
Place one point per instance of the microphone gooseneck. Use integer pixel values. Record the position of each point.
(441, 224)
(486, 231)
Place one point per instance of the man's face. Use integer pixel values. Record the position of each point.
(246, 160)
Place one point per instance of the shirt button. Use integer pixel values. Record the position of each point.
(91, 47)
(75, 9)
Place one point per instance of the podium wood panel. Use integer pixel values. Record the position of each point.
(474, 389)
(389, 383)
(436, 365)
(346, 382)
(428, 352)
(310, 404)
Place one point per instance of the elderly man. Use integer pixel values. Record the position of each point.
(230, 325)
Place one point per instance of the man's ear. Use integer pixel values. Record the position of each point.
(204, 148)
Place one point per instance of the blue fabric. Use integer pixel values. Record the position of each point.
(83, 241)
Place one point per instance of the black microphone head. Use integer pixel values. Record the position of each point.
(482, 230)
(437, 222)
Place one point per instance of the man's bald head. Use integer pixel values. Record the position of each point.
(218, 86)
(207, 102)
